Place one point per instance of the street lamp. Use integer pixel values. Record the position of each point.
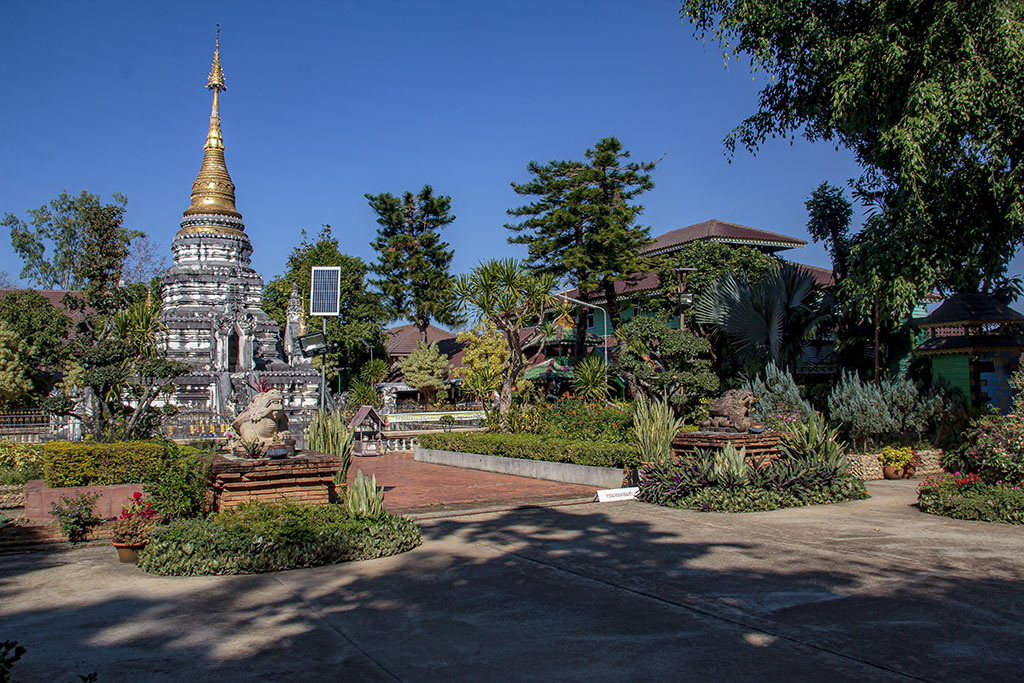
(685, 298)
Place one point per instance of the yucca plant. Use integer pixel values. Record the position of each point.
(328, 433)
(590, 378)
(363, 499)
(654, 426)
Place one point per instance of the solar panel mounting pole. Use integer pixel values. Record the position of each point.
(324, 301)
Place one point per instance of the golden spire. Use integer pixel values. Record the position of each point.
(213, 191)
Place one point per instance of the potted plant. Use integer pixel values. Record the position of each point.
(132, 529)
(895, 460)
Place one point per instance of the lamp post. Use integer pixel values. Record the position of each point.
(682, 274)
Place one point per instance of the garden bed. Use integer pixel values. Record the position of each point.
(39, 497)
(264, 537)
(967, 496)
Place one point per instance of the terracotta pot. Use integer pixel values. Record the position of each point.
(892, 472)
(128, 552)
(909, 471)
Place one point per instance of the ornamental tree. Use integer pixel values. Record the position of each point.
(426, 369)
(510, 296)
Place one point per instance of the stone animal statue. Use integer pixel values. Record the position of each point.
(730, 412)
(263, 421)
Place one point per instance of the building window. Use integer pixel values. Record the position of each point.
(589, 317)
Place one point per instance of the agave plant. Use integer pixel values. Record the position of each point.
(363, 499)
(813, 440)
(731, 467)
(328, 433)
(654, 426)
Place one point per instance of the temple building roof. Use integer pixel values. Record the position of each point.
(971, 309)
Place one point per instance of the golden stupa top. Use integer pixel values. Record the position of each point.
(213, 192)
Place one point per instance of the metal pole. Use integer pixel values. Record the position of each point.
(607, 322)
(323, 370)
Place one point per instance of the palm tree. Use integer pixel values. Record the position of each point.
(767, 322)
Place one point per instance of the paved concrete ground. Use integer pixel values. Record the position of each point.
(419, 485)
(869, 590)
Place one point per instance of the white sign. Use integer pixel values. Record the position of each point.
(325, 291)
(609, 495)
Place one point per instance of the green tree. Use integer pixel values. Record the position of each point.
(665, 364)
(828, 220)
(486, 350)
(43, 330)
(14, 380)
(510, 296)
(710, 261)
(426, 369)
(763, 323)
(582, 224)
(929, 96)
(86, 237)
(413, 262)
(361, 317)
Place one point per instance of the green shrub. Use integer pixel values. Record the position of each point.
(535, 447)
(265, 537)
(179, 488)
(967, 496)
(19, 462)
(813, 440)
(777, 398)
(89, 463)
(891, 456)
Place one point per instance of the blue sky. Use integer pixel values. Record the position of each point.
(327, 101)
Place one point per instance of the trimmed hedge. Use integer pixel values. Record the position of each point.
(535, 447)
(89, 463)
(265, 537)
(751, 499)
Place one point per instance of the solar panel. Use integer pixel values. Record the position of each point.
(325, 291)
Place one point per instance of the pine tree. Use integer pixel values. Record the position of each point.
(582, 224)
(412, 260)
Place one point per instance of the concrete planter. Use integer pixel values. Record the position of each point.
(585, 475)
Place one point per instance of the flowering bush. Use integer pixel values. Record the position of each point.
(137, 521)
(76, 515)
(969, 496)
(19, 462)
(580, 419)
(891, 456)
(994, 449)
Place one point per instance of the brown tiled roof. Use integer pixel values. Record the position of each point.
(402, 340)
(823, 276)
(721, 231)
(637, 282)
(55, 297)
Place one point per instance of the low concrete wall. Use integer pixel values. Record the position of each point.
(38, 497)
(585, 475)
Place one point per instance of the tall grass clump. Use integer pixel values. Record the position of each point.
(328, 433)
(654, 426)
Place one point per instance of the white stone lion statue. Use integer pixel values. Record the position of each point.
(263, 421)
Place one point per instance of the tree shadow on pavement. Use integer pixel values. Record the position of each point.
(542, 594)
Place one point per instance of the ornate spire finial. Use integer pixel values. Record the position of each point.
(213, 192)
(216, 79)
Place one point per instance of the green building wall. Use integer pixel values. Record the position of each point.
(955, 368)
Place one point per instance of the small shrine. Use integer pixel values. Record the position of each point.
(975, 343)
(367, 426)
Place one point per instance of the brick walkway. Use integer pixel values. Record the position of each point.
(413, 485)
